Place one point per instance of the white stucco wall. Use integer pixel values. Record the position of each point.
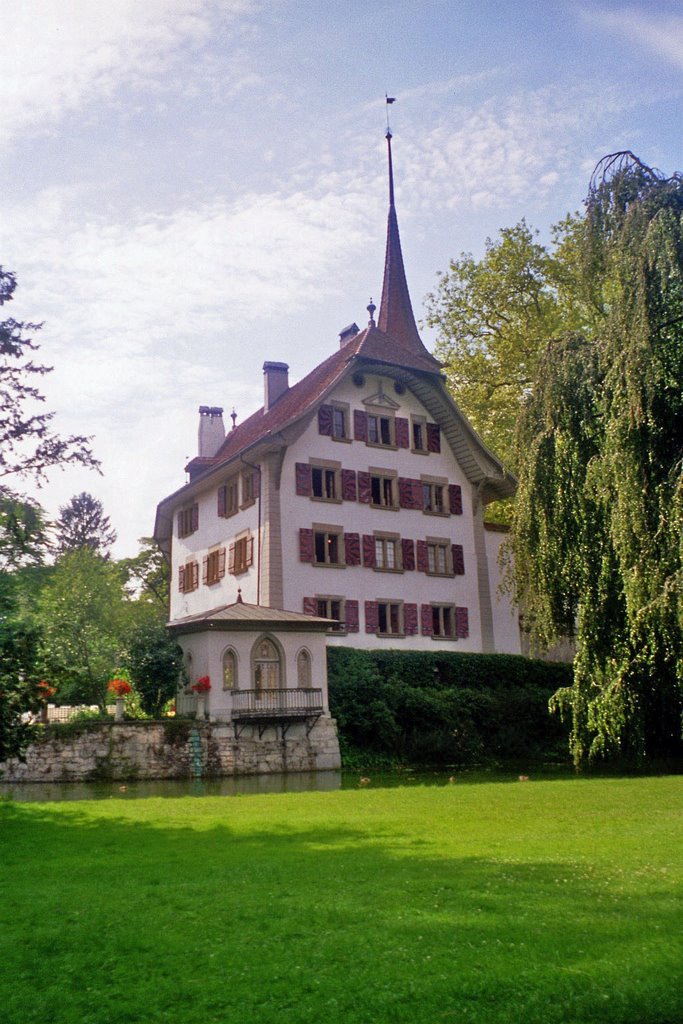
(365, 584)
(505, 612)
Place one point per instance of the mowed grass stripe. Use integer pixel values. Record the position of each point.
(540, 902)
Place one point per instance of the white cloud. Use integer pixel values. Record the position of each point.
(58, 57)
(660, 33)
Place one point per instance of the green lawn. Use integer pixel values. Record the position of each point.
(523, 902)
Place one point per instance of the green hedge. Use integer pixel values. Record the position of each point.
(446, 709)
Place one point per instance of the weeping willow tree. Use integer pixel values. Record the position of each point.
(598, 530)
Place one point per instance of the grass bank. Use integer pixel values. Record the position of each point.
(549, 902)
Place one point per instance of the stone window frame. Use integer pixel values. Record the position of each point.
(441, 607)
(343, 409)
(327, 465)
(421, 421)
(445, 544)
(387, 602)
(381, 538)
(331, 529)
(281, 662)
(379, 413)
(232, 652)
(385, 474)
(248, 482)
(432, 482)
(308, 684)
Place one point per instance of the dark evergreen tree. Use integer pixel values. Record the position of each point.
(82, 524)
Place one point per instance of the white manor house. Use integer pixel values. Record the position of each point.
(348, 509)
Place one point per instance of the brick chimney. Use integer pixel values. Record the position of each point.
(211, 430)
(275, 383)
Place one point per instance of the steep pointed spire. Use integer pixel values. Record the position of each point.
(395, 310)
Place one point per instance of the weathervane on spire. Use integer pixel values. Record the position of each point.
(389, 100)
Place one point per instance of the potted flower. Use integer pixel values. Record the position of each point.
(201, 688)
(120, 688)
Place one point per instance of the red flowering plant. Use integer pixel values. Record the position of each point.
(45, 691)
(120, 687)
(203, 685)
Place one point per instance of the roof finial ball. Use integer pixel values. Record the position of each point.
(371, 310)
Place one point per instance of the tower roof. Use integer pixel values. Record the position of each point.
(396, 318)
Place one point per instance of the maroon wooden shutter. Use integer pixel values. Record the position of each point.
(410, 619)
(310, 606)
(351, 616)
(422, 559)
(222, 501)
(221, 563)
(306, 545)
(433, 437)
(402, 428)
(231, 559)
(409, 493)
(352, 548)
(426, 620)
(360, 425)
(303, 479)
(455, 499)
(458, 559)
(462, 623)
(369, 550)
(195, 575)
(195, 517)
(371, 617)
(181, 579)
(408, 552)
(325, 420)
(364, 487)
(205, 569)
(348, 484)
(250, 551)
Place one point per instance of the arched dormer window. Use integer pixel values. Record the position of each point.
(303, 669)
(267, 671)
(230, 669)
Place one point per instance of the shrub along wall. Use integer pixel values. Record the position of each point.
(446, 709)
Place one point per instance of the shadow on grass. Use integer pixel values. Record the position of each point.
(113, 919)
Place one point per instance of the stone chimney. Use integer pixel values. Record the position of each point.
(275, 383)
(211, 430)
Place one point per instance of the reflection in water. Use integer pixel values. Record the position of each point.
(294, 782)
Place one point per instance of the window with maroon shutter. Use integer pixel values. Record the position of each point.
(249, 487)
(438, 562)
(205, 569)
(409, 493)
(426, 619)
(410, 619)
(422, 556)
(462, 623)
(351, 612)
(371, 617)
(325, 420)
(390, 618)
(242, 554)
(222, 502)
(352, 548)
(360, 425)
(310, 606)
(214, 568)
(433, 437)
(368, 551)
(331, 608)
(348, 483)
(402, 429)
(181, 579)
(364, 487)
(455, 499)
(408, 551)
(303, 479)
(305, 545)
(188, 577)
(458, 559)
(231, 559)
(195, 517)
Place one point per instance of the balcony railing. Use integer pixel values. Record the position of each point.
(281, 703)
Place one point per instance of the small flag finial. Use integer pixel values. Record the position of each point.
(233, 417)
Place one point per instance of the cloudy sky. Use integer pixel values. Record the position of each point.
(191, 187)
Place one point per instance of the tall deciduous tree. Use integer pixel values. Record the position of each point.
(599, 517)
(82, 524)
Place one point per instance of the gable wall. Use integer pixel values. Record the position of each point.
(366, 584)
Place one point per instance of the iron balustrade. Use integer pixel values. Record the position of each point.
(277, 703)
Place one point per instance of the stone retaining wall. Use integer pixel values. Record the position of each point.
(175, 749)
